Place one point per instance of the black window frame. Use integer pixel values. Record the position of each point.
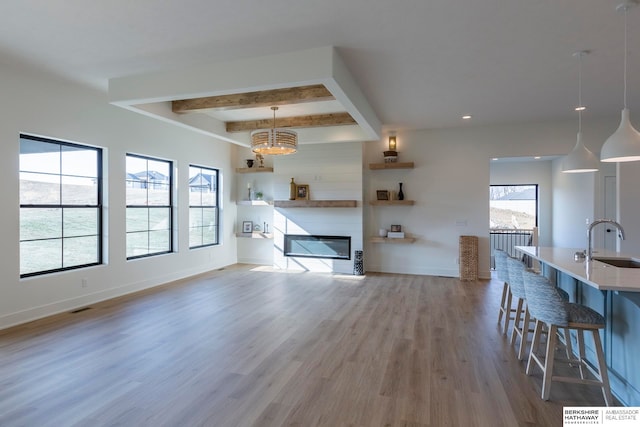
(98, 206)
(149, 207)
(202, 207)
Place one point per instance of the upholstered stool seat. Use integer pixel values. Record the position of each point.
(579, 313)
(549, 308)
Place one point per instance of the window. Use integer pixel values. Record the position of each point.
(149, 206)
(203, 207)
(513, 217)
(513, 207)
(60, 206)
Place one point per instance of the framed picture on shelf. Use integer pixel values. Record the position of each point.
(382, 194)
(302, 192)
(247, 226)
(396, 228)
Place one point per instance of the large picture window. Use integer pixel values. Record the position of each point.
(513, 216)
(149, 206)
(60, 206)
(203, 207)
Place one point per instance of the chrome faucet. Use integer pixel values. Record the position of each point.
(590, 228)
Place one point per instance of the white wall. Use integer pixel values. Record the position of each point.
(250, 250)
(629, 206)
(578, 199)
(574, 206)
(333, 172)
(42, 105)
(450, 185)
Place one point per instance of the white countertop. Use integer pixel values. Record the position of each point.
(597, 274)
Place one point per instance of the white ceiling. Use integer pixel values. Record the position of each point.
(420, 63)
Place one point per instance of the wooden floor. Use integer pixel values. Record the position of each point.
(252, 347)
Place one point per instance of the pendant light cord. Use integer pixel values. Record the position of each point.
(580, 92)
(625, 56)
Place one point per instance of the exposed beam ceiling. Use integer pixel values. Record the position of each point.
(266, 98)
(313, 89)
(318, 120)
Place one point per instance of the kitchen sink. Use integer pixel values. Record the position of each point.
(619, 262)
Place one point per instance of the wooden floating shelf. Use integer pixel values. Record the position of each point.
(255, 235)
(253, 170)
(392, 202)
(315, 203)
(391, 165)
(254, 202)
(388, 240)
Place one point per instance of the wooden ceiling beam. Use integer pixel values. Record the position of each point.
(265, 98)
(317, 120)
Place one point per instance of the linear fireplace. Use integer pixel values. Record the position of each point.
(311, 246)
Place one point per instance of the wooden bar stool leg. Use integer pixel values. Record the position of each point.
(535, 343)
(581, 352)
(516, 321)
(507, 317)
(525, 333)
(602, 368)
(569, 346)
(503, 300)
(548, 362)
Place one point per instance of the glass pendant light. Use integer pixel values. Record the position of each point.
(580, 159)
(624, 144)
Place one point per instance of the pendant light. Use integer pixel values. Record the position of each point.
(275, 141)
(624, 144)
(580, 159)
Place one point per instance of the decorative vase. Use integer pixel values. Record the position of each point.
(400, 193)
(382, 232)
(249, 163)
(292, 190)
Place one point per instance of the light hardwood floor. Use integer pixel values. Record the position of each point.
(252, 347)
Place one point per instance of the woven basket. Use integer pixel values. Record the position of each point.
(468, 257)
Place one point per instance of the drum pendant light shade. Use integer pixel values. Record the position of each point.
(274, 141)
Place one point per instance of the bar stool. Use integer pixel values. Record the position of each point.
(506, 300)
(515, 269)
(549, 308)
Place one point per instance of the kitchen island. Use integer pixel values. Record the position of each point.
(612, 291)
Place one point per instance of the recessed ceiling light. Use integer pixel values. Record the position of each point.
(537, 157)
(494, 159)
(466, 117)
(581, 108)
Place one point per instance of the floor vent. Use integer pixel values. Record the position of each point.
(80, 310)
